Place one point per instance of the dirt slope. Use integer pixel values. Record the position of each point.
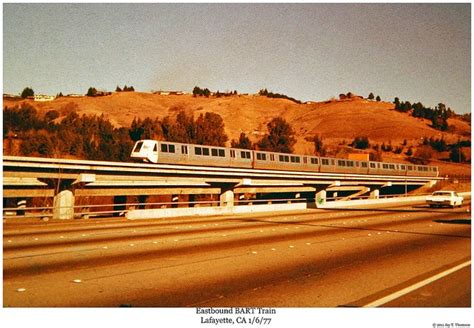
(338, 122)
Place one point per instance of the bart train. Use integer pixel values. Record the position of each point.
(165, 152)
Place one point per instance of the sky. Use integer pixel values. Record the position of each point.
(311, 52)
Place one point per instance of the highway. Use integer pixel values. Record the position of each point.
(310, 258)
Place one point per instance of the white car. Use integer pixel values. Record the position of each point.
(444, 198)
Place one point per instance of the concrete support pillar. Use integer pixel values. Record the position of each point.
(321, 198)
(63, 205)
(374, 194)
(227, 198)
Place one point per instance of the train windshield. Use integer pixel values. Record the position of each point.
(138, 146)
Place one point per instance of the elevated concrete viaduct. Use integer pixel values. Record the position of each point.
(65, 180)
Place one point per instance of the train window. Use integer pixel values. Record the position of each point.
(372, 165)
(165, 148)
(232, 153)
(385, 166)
(198, 150)
(324, 161)
(261, 157)
(419, 168)
(298, 160)
(221, 153)
(402, 167)
(214, 152)
(333, 162)
(357, 164)
(314, 161)
(378, 165)
(294, 159)
(341, 163)
(138, 146)
(410, 168)
(272, 157)
(284, 158)
(205, 151)
(350, 163)
(392, 166)
(363, 164)
(184, 149)
(305, 160)
(435, 169)
(155, 148)
(245, 154)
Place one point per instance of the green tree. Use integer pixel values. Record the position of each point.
(27, 92)
(91, 92)
(360, 143)
(243, 142)
(396, 101)
(378, 98)
(456, 155)
(371, 96)
(280, 137)
(319, 148)
(210, 130)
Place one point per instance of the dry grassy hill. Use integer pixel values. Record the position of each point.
(338, 122)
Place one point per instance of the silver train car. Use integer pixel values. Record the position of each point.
(165, 152)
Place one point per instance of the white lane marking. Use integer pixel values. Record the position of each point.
(61, 237)
(9, 241)
(77, 281)
(291, 246)
(36, 238)
(253, 252)
(308, 244)
(131, 245)
(20, 290)
(273, 249)
(416, 286)
(155, 242)
(105, 247)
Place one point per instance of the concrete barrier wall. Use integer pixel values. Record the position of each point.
(210, 211)
(160, 213)
(380, 202)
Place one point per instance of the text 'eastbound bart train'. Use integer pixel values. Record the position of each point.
(165, 152)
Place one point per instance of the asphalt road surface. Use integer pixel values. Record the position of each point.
(410, 256)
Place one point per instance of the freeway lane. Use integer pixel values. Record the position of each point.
(322, 258)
